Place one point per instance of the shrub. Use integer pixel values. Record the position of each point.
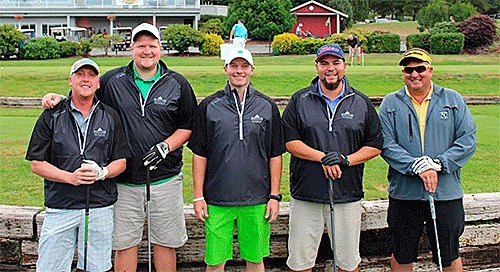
(84, 48)
(105, 42)
(447, 43)
(384, 43)
(436, 11)
(181, 37)
(287, 43)
(444, 27)
(213, 26)
(41, 48)
(310, 46)
(479, 31)
(422, 40)
(340, 39)
(211, 45)
(68, 48)
(10, 37)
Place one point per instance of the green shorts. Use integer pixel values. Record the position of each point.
(254, 233)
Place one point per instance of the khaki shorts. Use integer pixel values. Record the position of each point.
(353, 52)
(307, 221)
(168, 225)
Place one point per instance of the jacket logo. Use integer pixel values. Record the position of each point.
(444, 115)
(99, 132)
(256, 119)
(160, 101)
(347, 115)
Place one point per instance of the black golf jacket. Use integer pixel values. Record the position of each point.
(238, 153)
(169, 106)
(57, 139)
(355, 124)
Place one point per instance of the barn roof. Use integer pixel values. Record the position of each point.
(333, 11)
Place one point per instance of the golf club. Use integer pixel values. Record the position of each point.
(330, 191)
(433, 215)
(148, 215)
(86, 231)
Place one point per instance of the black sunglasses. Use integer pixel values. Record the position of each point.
(419, 69)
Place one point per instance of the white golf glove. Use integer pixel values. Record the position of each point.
(100, 171)
(425, 163)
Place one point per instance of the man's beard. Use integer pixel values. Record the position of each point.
(330, 86)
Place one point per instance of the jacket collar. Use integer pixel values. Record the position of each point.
(250, 90)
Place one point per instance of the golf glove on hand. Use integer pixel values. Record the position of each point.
(101, 171)
(334, 158)
(155, 155)
(425, 163)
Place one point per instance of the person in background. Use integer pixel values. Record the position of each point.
(331, 130)
(78, 147)
(298, 30)
(429, 135)
(239, 34)
(237, 145)
(156, 105)
(354, 49)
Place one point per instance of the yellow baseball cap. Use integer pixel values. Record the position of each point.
(415, 53)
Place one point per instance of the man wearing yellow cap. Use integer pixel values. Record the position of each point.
(429, 135)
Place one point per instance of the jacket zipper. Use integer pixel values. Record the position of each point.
(143, 102)
(79, 132)
(332, 115)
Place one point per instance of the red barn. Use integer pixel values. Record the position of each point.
(319, 19)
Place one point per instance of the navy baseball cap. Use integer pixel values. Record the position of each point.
(330, 49)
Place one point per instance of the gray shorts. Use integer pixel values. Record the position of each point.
(306, 226)
(168, 225)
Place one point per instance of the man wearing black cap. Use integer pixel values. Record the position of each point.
(331, 129)
(156, 105)
(429, 135)
(78, 147)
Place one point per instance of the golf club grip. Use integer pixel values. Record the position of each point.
(148, 184)
(432, 206)
(330, 190)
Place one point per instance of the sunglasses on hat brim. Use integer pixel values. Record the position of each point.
(419, 69)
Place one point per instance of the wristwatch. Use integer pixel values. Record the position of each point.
(277, 197)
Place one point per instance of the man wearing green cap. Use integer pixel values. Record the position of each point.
(429, 135)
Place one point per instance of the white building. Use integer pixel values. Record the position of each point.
(96, 15)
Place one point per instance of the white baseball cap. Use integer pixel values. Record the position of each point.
(83, 62)
(146, 27)
(239, 53)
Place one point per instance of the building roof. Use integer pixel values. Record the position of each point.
(331, 10)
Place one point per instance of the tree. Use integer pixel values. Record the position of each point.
(10, 37)
(479, 30)
(343, 6)
(181, 37)
(360, 10)
(461, 11)
(435, 12)
(263, 18)
(105, 42)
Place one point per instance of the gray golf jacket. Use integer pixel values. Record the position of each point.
(450, 136)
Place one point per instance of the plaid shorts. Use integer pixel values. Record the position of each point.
(61, 231)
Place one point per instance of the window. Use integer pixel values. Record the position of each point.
(99, 2)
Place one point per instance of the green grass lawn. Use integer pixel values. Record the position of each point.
(275, 76)
(21, 187)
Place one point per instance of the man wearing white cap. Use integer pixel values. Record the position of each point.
(77, 147)
(156, 105)
(237, 145)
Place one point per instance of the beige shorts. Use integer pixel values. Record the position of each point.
(306, 226)
(168, 225)
(353, 52)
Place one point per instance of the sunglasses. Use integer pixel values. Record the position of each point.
(419, 69)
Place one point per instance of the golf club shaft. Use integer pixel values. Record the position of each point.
(86, 231)
(148, 214)
(433, 216)
(332, 218)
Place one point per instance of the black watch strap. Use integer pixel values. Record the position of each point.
(277, 197)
